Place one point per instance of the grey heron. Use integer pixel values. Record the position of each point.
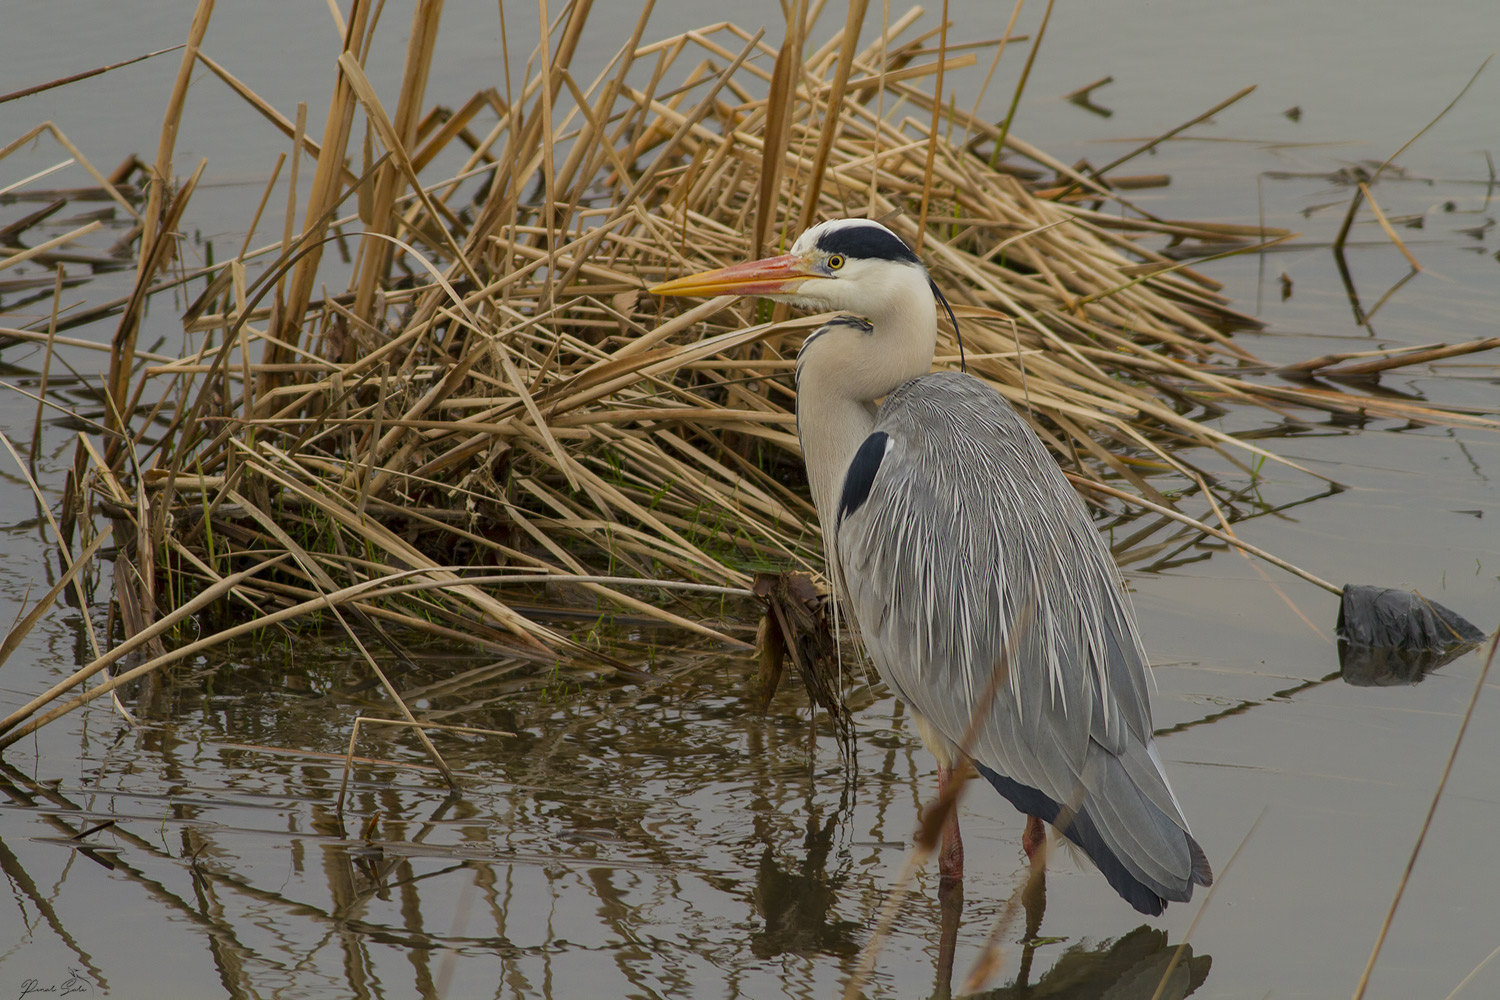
(958, 547)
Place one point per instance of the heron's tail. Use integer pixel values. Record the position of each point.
(1142, 852)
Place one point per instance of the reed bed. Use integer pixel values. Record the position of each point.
(493, 415)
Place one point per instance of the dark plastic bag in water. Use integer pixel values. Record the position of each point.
(1391, 636)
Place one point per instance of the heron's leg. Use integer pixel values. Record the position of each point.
(951, 853)
(1034, 841)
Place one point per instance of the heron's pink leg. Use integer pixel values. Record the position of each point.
(1034, 841)
(951, 853)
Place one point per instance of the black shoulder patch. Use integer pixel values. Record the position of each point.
(861, 474)
(868, 241)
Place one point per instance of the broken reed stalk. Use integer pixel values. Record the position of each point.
(366, 720)
(1187, 935)
(157, 233)
(76, 77)
(1437, 796)
(929, 834)
(492, 389)
(1359, 195)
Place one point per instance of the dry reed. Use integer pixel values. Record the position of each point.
(493, 392)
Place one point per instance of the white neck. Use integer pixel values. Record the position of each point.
(844, 370)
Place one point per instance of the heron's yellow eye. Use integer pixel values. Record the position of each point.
(835, 261)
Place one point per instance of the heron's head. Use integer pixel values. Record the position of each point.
(853, 265)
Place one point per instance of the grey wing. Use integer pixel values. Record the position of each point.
(985, 596)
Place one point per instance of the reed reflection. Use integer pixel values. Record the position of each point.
(797, 898)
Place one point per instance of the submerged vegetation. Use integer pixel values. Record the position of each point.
(491, 412)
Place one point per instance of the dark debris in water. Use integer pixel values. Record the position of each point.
(1389, 636)
(796, 623)
(1370, 666)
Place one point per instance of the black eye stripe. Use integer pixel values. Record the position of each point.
(869, 241)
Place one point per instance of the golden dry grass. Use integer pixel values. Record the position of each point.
(492, 401)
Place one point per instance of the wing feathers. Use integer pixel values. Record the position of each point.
(965, 551)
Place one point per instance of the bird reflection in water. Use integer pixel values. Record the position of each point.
(796, 897)
(1130, 968)
(1142, 965)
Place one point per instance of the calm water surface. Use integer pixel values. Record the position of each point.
(667, 840)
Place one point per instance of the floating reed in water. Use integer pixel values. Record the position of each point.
(492, 393)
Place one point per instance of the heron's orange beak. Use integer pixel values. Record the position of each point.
(771, 276)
